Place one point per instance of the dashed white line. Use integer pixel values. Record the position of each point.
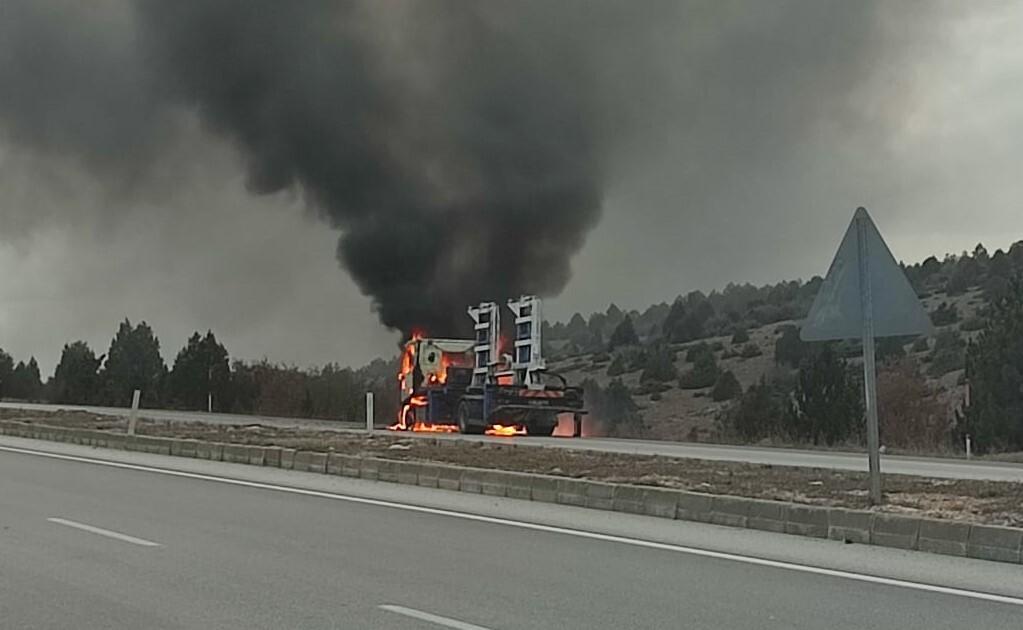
(425, 616)
(104, 532)
(636, 542)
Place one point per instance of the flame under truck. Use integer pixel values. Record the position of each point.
(477, 386)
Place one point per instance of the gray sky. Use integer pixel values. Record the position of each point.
(754, 131)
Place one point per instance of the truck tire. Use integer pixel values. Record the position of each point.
(465, 424)
(542, 428)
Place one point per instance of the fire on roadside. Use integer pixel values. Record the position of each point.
(508, 430)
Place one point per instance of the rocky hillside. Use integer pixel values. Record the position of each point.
(680, 393)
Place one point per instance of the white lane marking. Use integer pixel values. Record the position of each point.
(636, 542)
(104, 532)
(425, 616)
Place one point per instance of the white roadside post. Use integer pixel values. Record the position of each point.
(866, 295)
(133, 416)
(369, 412)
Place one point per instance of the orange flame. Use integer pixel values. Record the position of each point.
(506, 430)
(425, 427)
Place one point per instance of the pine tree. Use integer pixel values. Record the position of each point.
(201, 369)
(624, 335)
(994, 371)
(133, 362)
(826, 405)
(76, 378)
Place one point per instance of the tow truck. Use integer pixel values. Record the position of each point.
(473, 386)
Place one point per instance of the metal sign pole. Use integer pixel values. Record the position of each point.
(869, 366)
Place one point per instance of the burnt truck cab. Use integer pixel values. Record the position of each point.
(473, 386)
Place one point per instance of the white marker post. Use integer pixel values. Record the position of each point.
(133, 416)
(369, 412)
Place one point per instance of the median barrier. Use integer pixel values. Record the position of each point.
(995, 543)
(408, 473)
(806, 520)
(945, 537)
(987, 542)
(767, 516)
(851, 526)
(694, 506)
(891, 530)
(730, 511)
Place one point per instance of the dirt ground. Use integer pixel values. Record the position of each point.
(977, 501)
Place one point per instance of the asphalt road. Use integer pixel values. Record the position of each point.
(162, 542)
(947, 468)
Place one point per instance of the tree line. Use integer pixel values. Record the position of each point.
(201, 376)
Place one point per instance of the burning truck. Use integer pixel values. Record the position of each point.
(475, 386)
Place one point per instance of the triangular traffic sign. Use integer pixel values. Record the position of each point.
(837, 311)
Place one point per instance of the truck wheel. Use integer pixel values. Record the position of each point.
(541, 428)
(465, 424)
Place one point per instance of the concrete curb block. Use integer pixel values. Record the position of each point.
(995, 543)
(890, 530)
(853, 526)
(986, 542)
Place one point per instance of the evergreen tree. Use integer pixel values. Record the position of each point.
(826, 405)
(789, 349)
(994, 371)
(617, 366)
(200, 369)
(727, 387)
(660, 365)
(624, 335)
(133, 362)
(26, 383)
(6, 373)
(76, 378)
(758, 413)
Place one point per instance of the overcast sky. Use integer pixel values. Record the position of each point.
(761, 127)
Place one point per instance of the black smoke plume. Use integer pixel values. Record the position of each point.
(459, 147)
(462, 148)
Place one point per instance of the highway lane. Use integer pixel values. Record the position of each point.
(947, 468)
(232, 555)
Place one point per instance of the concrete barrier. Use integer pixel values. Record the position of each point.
(236, 453)
(660, 502)
(429, 475)
(694, 506)
(210, 450)
(995, 543)
(544, 488)
(806, 520)
(1004, 544)
(369, 468)
(730, 511)
(892, 530)
(852, 526)
(450, 478)
(408, 473)
(767, 516)
(311, 461)
(518, 485)
(945, 537)
(272, 456)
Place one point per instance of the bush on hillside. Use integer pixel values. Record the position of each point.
(945, 314)
(727, 387)
(750, 350)
(740, 336)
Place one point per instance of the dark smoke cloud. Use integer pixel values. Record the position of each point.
(464, 161)
(464, 150)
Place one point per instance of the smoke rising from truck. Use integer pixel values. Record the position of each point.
(463, 150)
